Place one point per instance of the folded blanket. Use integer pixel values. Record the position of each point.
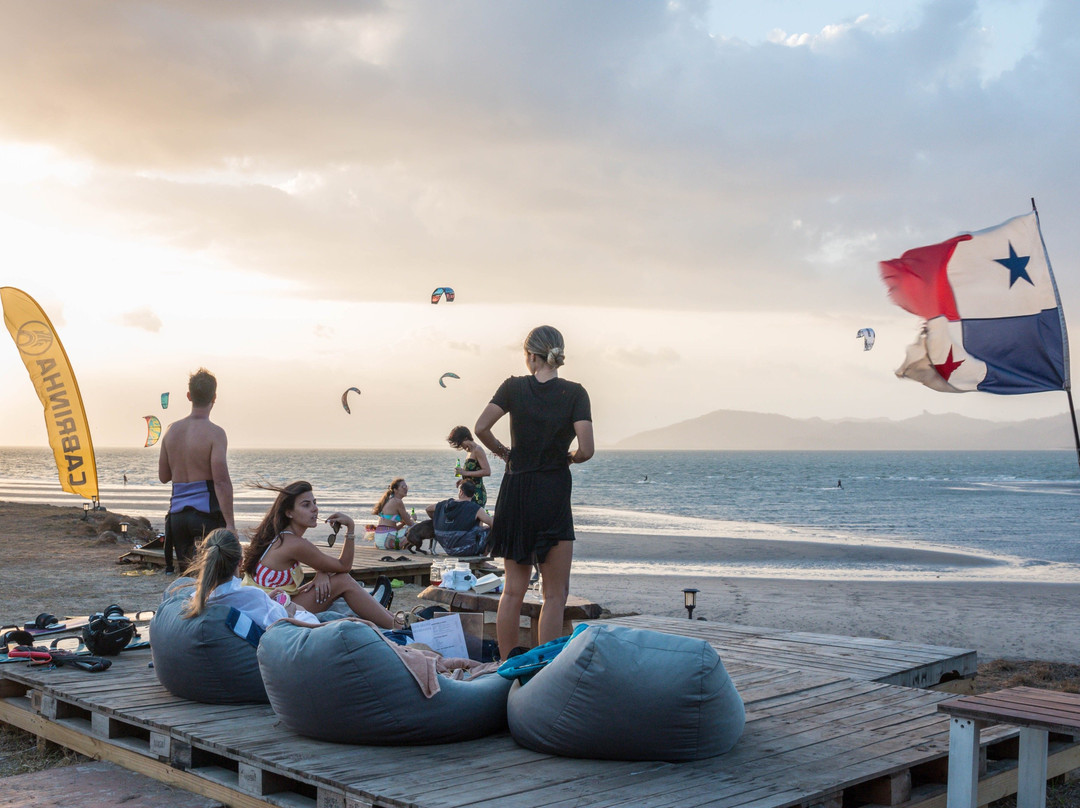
(427, 666)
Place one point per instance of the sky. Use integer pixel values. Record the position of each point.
(696, 194)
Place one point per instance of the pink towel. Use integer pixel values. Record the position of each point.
(427, 666)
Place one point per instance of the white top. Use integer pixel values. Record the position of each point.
(255, 603)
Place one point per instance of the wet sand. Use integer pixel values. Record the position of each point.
(1028, 620)
(727, 550)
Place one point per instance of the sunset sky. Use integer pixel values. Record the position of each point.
(697, 194)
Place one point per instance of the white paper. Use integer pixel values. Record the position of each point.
(445, 636)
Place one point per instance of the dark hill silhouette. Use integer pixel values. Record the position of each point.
(735, 429)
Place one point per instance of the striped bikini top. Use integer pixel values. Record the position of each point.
(288, 580)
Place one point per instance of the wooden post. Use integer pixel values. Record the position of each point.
(1031, 787)
(963, 763)
(160, 745)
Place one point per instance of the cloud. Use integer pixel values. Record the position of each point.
(602, 152)
(142, 318)
(467, 347)
(641, 357)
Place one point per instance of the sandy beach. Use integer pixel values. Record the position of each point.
(999, 619)
(52, 560)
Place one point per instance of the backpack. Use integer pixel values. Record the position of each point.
(463, 542)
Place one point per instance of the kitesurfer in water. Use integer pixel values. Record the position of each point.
(193, 459)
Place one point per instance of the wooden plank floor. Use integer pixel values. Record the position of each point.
(813, 734)
(885, 661)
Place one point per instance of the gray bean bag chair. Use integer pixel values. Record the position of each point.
(202, 658)
(621, 693)
(341, 682)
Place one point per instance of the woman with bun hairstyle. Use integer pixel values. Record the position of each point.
(216, 573)
(278, 548)
(533, 523)
(476, 466)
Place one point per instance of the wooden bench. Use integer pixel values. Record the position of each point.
(1036, 712)
(367, 563)
(576, 608)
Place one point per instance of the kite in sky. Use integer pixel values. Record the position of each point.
(164, 401)
(867, 336)
(345, 396)
(442, 290)
(447, 376)
(153, 430)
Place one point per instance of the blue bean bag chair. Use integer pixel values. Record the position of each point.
(620, 693)
(204, 658)
(341, 682)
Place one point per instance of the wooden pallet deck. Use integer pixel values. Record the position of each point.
(886, 661)
(815, 736)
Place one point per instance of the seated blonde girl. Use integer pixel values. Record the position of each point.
(215, 570)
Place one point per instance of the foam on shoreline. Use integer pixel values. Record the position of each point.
(613, 541)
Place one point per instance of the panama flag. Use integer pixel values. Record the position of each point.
(993, 316)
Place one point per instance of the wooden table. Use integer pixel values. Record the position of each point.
(576, 608)
(1036, 712)
(367, 563)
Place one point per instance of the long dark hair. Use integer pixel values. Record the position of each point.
(273, 523)
(215, 564)
(387, 494)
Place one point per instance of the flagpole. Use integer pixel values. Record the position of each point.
(1064, 336)
(1076, 433)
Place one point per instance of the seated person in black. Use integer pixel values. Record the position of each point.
(461, 525)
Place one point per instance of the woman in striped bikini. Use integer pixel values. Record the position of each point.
(277, 549)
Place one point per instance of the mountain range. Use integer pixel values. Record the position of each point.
(735, 429)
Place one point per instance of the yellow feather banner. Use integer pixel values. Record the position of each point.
(50, 371)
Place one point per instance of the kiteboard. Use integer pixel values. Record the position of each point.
(156, 543)
(74, 644)
(52, 627)
(77, 648)
(43, 627)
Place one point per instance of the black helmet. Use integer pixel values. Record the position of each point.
(107, 636)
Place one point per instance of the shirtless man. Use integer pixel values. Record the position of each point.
(193, 459)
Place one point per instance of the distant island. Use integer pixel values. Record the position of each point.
(735, 429)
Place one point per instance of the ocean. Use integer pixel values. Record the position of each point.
(1018, 509)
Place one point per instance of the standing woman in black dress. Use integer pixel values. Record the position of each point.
(533, 522)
